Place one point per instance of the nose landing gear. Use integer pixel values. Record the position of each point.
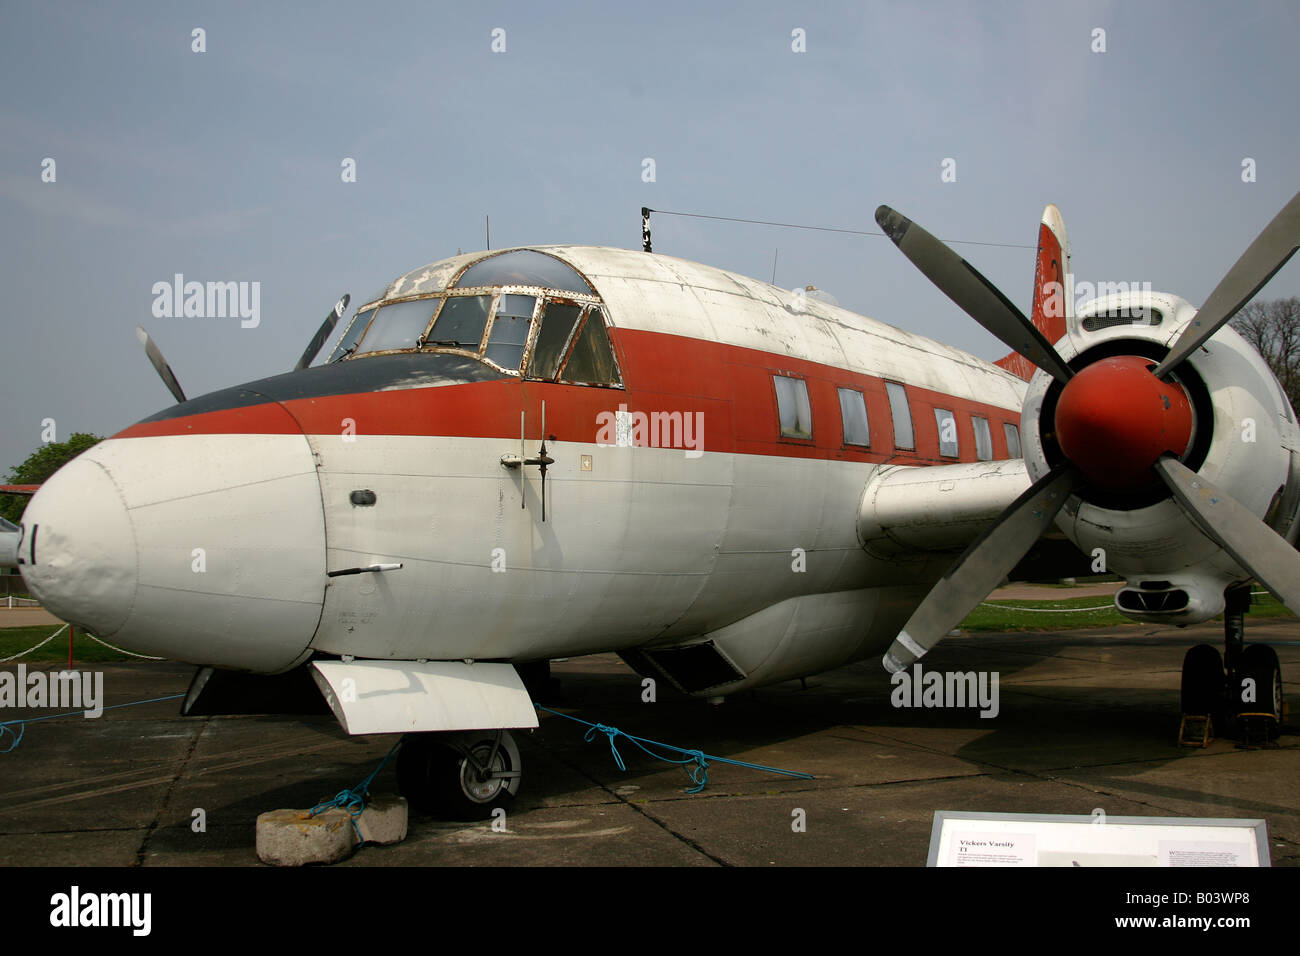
(1243, 685)
(459, 776)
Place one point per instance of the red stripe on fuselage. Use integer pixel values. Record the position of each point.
(730, 387)
(265, 419)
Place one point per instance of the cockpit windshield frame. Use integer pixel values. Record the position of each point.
(587, 305)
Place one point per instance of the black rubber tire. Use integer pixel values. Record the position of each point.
(1203, 682)
(1259, 662)
(432, 775)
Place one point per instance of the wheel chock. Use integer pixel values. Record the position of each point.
(1196, 730)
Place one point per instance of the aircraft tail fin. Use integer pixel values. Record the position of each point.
(1052, 302)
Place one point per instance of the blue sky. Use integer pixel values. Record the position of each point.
(225, 165)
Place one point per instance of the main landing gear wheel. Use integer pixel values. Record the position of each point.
(1204, 683)
(461, 776)
(1259, 677)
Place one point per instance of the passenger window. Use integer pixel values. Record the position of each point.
(461, 322)
(793, 407)
(398, 326)
(947, 424)
(853, 412)
(556, 325)
(902, 415)
(983, 438)
(510, 330)
(1013, 439)
(591, 361)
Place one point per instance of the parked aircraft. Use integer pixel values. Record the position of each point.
(524, 454)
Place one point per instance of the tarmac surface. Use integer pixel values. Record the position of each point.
(1087, 719)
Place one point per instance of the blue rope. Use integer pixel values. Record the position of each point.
(5, 725)
(353, 800)
(18, 737)
(698, 770)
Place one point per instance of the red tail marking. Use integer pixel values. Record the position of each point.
(1048, 312)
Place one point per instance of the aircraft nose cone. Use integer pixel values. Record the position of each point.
(203, 548)
(1114, 419)
(78, 549)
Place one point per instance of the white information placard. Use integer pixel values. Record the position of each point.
(963, 838)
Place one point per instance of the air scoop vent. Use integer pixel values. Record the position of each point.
(1149, 601)
(695, 667)
(1114, 317)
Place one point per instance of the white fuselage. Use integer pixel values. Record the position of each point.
(206, 533)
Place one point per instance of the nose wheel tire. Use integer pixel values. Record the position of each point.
(461, 776)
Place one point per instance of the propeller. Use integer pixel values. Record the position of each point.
(1268, 253)
(323, 333)
(160, 364)
(1119, 425)
(978, 297)
(983, 567)
(1252, 544)
(169, 377)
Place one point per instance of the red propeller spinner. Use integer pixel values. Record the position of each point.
(1114, 419)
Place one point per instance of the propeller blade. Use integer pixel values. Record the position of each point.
(1268, 253)
(1250, 542)
(977, 297)
(982, 567)
(323, 333)
(160, 364)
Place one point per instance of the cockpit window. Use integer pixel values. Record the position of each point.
(523, 267)
(557, 325)
(592, 360)
(522, 312)
(461, 322)
(509, 333)
(398, 326)
(353, 332)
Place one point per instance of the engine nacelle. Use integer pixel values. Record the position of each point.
(1244, 439)
(906, 509)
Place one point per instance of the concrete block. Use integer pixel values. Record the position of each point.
(383, 820)
(296, 838)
